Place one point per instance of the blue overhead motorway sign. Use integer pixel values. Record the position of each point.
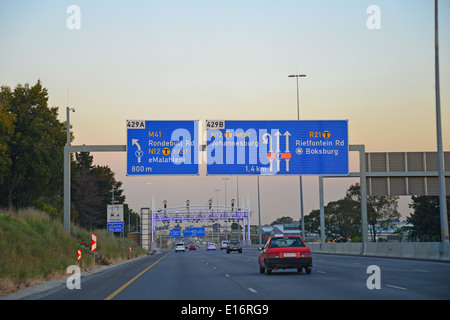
(194, 232)
(286, 147)
(162, 147)
(175, 233)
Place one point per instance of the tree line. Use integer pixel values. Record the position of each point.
(343, 217)
(32, 143)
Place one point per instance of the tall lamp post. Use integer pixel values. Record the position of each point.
(440, 153)
(225, 189)
(67, 174)
(296, 76)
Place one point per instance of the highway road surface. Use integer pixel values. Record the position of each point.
(215, 275)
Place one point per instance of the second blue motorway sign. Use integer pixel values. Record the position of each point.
(162, 147)
(297, 147)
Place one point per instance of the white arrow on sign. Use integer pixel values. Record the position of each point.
(267, 138)
(139, 152)
(287, 134)
(277, 135)
(135, 142)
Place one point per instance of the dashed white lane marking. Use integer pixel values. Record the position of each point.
(395, 287)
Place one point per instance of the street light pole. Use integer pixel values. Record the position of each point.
(67, 173)
(440, 154)
(225, 189)
(300, 177)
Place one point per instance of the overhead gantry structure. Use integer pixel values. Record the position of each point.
(196, 214)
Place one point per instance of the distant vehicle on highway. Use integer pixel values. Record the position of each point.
(283, 253)
(211, 246)
(234, 245)
(192, 247)
(180, 247)
(223, 245)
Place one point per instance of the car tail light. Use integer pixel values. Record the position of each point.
(305, 255)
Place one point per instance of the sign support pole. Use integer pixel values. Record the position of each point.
(322, 213)
(363, 192)
(68, 148)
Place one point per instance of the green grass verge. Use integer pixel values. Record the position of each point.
(35, 248)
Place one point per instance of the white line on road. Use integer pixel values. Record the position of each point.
(252, 290)
(395, 287)
(227, 275)
(318, 271)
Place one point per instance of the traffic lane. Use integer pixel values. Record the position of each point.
(399, 278)
(213, 275)
(242, 271)
(175, 278)
(201, 275)
(184, 276)
(101, 285)
(340, 277)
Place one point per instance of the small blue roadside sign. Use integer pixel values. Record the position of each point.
(114, 220)
(162, 147)
(115, 226)
(285, 147)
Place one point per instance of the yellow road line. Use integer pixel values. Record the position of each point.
(115, 293)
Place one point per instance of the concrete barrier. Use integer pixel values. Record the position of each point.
(408, 250)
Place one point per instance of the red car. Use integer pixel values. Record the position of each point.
(283, 253)
(192, 247)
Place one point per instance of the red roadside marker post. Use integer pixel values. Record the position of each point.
(79, 258)
(94, 242)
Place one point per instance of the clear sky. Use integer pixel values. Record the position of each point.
(210, 59)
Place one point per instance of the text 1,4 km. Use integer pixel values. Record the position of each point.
(255, 169)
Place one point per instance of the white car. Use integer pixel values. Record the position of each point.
(180, 247)
(223, 245)
(211, 246)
